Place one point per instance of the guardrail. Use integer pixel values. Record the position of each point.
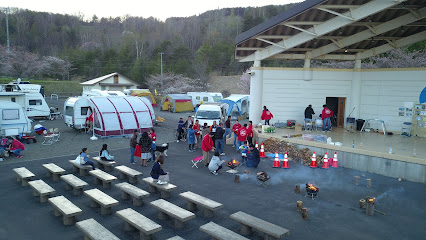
(54, 96)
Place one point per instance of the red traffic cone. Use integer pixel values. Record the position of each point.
(335, 163)
(262, 151)
(276, 160)
(256, 146)
(325, 161)
(314, 161)
(285, 162)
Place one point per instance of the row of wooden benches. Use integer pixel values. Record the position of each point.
(165, 208)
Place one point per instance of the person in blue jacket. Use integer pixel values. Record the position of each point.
(84, 158)
(253, 157)
(156, 168)
(191, 138)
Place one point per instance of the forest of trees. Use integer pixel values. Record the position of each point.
(56, 46)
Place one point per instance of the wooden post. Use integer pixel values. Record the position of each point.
(368, 182)
(362, 203)
(299, 205)
(237, 178)
(369, 209)
(305, 213)
(356, 180)
(297, 188)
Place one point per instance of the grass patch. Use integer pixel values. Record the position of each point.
(62, 88)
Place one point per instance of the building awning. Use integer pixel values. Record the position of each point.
(335, 30)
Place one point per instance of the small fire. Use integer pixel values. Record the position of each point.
(371, 200)
(312, 187)
(233, 163)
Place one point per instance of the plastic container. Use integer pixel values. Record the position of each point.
(320, 138)
(308, 137)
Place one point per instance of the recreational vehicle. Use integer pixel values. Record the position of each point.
(204, 97)
(33, 103)
(22, 86)
(14, 121)
(209, 112)
(113, 116)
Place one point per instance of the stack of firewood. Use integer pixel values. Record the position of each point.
(303, 156)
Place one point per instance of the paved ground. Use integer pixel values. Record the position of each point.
(334, 215)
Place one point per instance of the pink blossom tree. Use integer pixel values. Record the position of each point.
(174, 83)
(244, 83)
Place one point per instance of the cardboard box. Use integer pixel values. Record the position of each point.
(298, 128)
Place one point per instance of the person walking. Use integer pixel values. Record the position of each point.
(191, 138)
(145, 143)
(215, 163)
(207, 146)
(84, 158)
(266, 115)
(197, 129)
(242, 136)
(228, 131)
(250, 132)
(180, 127)
(133, 142)
(219, 139)
(104, 154)
(153, 137)
(326, 118)
(235, 128)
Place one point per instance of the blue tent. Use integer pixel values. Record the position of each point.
(237, 105)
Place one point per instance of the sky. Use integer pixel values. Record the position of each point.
(160, 9)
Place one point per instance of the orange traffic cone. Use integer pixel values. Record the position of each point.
(276, 160)
(314, 161)
(335, 163)
(325, 161)
(256, 146)
(285, 162)
(262, 151)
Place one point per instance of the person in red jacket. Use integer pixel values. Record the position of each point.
(207, 145)
(242, 136)
(235, 128)
(197, 129)
(266, 115)
(15, 147)
(326, 118)
(250, 133)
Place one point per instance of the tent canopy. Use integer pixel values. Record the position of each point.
(117, 116)
(237, 105)
(177, 103)
(144, 93)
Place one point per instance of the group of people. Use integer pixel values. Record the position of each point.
(11, 145)
(326, 115)
(144, 148)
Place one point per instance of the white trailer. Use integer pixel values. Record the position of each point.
(198, 98)
(14, 121)
(33, 103)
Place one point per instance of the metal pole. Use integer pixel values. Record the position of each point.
(161, 57)
(7, 29)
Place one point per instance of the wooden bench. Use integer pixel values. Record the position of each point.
(130, 190)
(101, 176)
(164, 189)
(94, 230)
(63, 207)
(134, 220)
(218, 232)
(130, 173)
(105, 165)
(84, 169)
(179, 214)
(98, 197)
(175, 238)
(193, 200)
(23, 175)
(75, 183)
(41, 189)
(249, 222)
(54, 170)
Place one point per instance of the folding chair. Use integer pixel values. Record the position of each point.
(47, 138)
(56, 134)
(196, 160)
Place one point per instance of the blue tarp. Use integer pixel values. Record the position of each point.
(272, 155)
(231, 107)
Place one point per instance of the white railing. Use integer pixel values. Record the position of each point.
(54, 96)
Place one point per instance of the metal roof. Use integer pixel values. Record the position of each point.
(335, 30)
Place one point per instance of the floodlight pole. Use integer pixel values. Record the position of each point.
(7, 29)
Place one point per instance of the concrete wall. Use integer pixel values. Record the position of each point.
(288, 91)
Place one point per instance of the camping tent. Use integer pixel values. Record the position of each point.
(238, 105)
(144, 93)
(177, 103)
(117, 116)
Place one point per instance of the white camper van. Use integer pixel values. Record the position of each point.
(13, 120)
(205, 97)
(33, 103)
(113, 116)
(209, 112)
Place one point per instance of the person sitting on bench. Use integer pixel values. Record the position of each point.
(104, 154)
(157, 171)
(84, 158)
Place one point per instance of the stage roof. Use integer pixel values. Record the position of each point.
(335, 30)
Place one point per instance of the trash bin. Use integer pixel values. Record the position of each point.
(359, 123)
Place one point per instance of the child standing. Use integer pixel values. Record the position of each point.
(191, 138)
(244, 151)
